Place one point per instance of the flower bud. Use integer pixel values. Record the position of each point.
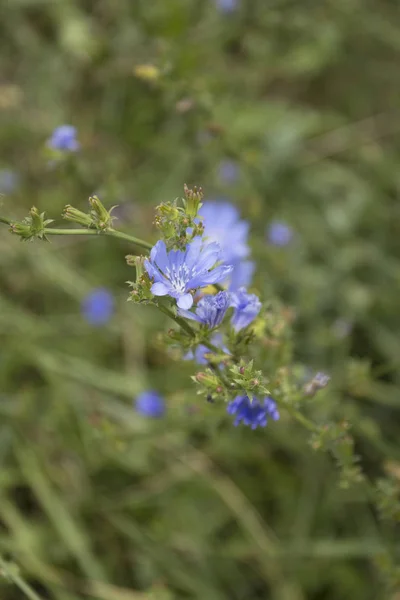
(32, 226)
(139, 264)
(193, 200)
(76, 216)
(101, 216)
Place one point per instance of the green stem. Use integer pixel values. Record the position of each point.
(186, 327)
(129, 238)
(181, 322)
(19, 582)
(109, 232)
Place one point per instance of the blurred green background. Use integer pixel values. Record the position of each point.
(97, 502)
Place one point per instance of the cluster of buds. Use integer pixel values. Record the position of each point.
(248, 379)
(33, 226)
(180, 224)
(97, 218)
(211, 386)
(142, 285)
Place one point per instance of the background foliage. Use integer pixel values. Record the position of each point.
(95, 501)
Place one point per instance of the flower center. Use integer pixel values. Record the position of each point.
(178, 276)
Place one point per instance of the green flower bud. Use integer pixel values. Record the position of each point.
(193, 198)
(77, 216)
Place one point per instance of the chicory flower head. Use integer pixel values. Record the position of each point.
(210, 310)
(252, 412)
(64, 139)
(177, 272)
(246, 308)
(98, 306)
(150, 404)
(279, 233)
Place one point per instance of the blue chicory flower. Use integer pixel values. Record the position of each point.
(64, 139)
(98, 306)
(252, 412)
(246, 308)
(210, 310)
(177, 272)
(228, 171)
(9, 181)
(150, 404)
(222, 224)
(279, 233)
(227, 6)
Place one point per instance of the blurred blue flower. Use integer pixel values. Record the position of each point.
(150, 404)
(200, 352)
(228, 171)
(64, 139)
(246, 308)
(252, 412)
(177, 272)
(9, 181)
(98, 306)
(242, 274)
(279, 233)
(210, 310)
(227, 5)
(222, 224)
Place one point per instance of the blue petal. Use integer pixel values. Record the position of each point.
(159, 289)
(152, 272)
(159, 255)
(218, 274)
(208, 257)
(193, 252)
(242, 274)
(185, 301)
(176, 258)
(188, 315)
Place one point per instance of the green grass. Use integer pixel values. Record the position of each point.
(96, 502)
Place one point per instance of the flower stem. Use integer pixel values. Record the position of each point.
(186, 327)
(181, 322)
(109, 232)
